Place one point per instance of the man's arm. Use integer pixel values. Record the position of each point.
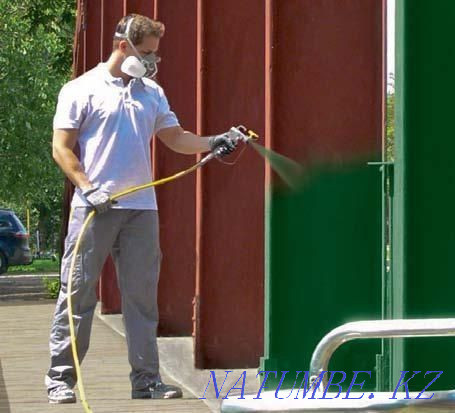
(63, 143)
(182, 141)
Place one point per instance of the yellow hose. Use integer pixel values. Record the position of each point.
(90, 216)
(155, 183)
(77, 364)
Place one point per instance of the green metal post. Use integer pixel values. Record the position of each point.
(424, 202)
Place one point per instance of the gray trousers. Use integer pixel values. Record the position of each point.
(132, 236)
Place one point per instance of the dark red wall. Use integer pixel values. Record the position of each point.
(177, 201)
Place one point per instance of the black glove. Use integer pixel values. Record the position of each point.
(223, 144)
(98, 198)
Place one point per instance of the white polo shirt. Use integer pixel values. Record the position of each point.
(116, 124)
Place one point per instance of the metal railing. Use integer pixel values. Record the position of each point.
(442, 402)
(431, 327)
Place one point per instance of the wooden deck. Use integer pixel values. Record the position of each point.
(24, 359)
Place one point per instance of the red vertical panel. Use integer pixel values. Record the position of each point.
(112, 12)
(92, 34)
(200, 75)
(269, 47)
(232, 229)
(329, 66)
(109, 292)
(176, 201)
(144, 7)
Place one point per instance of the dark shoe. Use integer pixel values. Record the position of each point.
(61, 394)
(158, 391)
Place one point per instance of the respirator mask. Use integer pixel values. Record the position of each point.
(138, 66)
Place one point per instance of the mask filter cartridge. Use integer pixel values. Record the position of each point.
(133, 67)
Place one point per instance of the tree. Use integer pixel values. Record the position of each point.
(35, 61)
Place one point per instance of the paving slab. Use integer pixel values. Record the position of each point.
(24, 360)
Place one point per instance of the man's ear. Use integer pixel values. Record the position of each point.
(123, 45)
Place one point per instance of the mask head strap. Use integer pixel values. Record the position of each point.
(126, 33)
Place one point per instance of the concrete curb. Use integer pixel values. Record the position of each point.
(25, 275)
(24, 286)
(28, 275)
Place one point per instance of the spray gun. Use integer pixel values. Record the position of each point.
(241, 134)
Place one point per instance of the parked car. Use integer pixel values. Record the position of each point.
(14, 247)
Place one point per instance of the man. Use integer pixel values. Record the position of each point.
(112, 111)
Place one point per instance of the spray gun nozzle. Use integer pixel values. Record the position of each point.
(253, 135)
(244, 134)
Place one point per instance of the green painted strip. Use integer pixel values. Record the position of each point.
(324, 266)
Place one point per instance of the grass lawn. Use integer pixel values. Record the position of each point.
(36, 267)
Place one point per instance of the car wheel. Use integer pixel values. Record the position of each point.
(3, 263)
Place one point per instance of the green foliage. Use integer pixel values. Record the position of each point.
(390, 118)
(52, 286)
(390, 127)
(35, 61)
(36, 267)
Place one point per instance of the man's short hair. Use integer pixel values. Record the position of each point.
(140, 27)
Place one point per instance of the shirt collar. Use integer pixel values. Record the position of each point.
(108, 77)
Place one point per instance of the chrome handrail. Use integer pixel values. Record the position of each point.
(431, 327)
